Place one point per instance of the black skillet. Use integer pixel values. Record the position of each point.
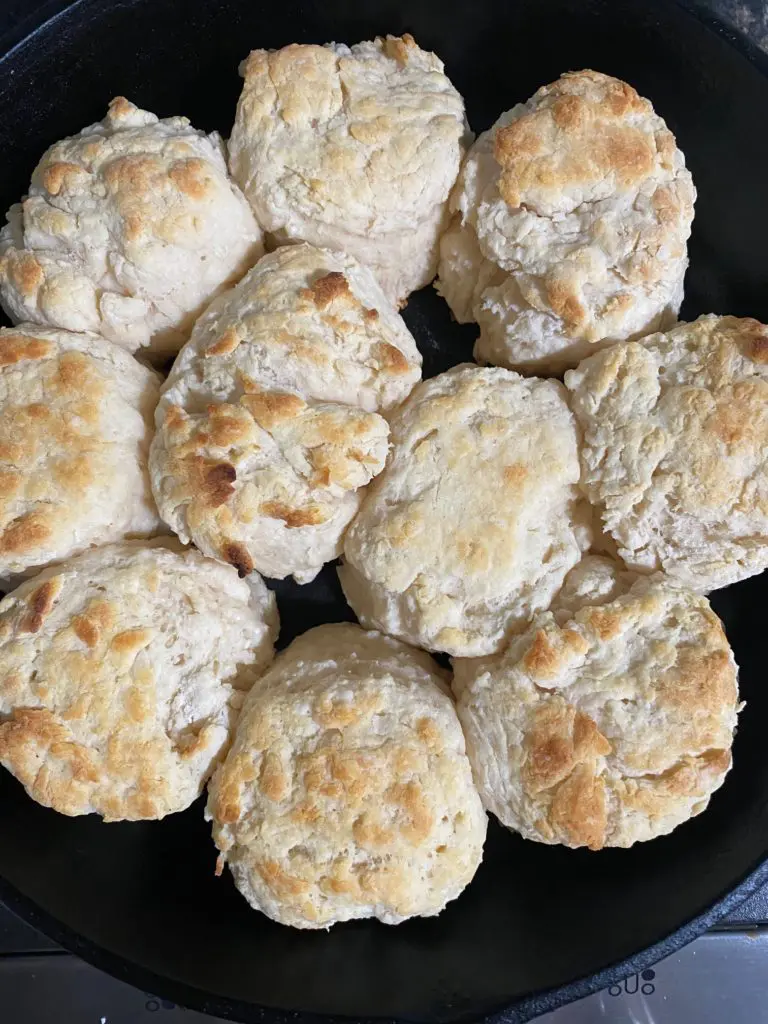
(539, 925)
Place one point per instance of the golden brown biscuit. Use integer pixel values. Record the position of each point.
(128, 230)
(571, 217)
(675, 453)
(75, 428)
(268, 430)
(353, 148)
(608, 727)
(476, 519)
(347, 792)
(121, 675)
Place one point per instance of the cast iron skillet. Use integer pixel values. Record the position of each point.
(539, 925)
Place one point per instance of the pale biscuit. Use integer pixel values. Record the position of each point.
(476, 519)
(347, 792)
(128, 230)
(610, 728)
(268, 426)
(75, 428)
(122, 672)
(675, 452)
(595, 580)
(571, 217)
(355, 149)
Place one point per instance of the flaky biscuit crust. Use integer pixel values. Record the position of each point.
(570, 222)
(476, 519)
(347, 792)
(121, 675)
(609, 727)
(268, 427)
(675, 453)
(75, 427)
(129, 229)
(355, 149)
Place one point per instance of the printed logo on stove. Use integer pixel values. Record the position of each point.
(635, 983)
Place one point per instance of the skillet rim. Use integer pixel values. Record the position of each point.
(12, 42)
(520, 1012)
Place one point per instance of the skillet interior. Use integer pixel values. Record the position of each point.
(141, 899)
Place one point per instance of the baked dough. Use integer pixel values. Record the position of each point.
(75, 428)
(355, 149)
(128, 230)
(121, 674)
(475, 521)
(675, 452)
(595, 580)
(347, 792)
(570, 222)
(268, 426)
(609, 728)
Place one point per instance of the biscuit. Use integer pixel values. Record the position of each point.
(268, 426)
(595, 580)
(355, 149)
(675, 452)
(121, 675)
(347, 792)
(570, 222)
(129, 229)
(75, 427)
(610, 728)
(476, 519)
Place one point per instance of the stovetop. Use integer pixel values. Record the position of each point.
(722, 976)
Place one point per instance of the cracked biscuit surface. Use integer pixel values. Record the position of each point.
(570, 222)
(75, 428)
(347, 792)
(675, 452)
(595, 580)
(122, 672)
(476, 519)
(353, 148)
(269, 425)
(607, 726)
(128, 230)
